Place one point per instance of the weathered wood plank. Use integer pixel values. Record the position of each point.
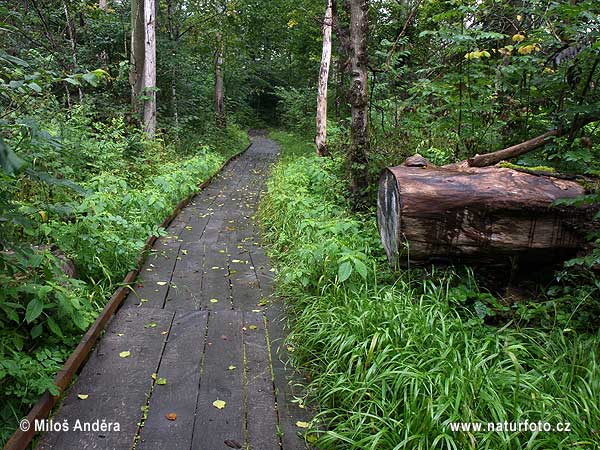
(180, 366)
(117, 387)
(287, 383)
(224, 349)
(262, 419)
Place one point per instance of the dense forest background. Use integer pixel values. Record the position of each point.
(82, 184)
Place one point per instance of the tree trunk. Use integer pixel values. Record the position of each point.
(321, 138)
(220, 116)
(103, 5)
(427, 213)
(137, 53)
(358, 100)
(71, 31)
(149, 78)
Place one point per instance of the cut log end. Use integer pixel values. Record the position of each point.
(388, 215)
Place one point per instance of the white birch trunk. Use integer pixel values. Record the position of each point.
(321, 137)
(149, 73)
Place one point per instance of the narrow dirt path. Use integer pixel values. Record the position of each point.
(198, 340)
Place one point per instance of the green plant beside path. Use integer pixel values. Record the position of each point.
(395, 358)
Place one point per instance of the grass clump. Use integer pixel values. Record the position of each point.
(394, 359)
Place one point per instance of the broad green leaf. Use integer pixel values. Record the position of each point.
(344, 271)
(34, 309)
(54, 327)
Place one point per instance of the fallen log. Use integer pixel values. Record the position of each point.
(427, 213)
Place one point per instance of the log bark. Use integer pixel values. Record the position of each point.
(427, 214)
(321, 138)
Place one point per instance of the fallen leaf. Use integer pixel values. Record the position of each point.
(231, 367)
(154, 375)
(150, 325)
(253, 327)
(214, 300)
(188, 227)
(163, 332)
(184, 252)
(219, 404)
(301, 424)
(161, 283)
(82, 396)
(161, 381)
(125, 354)
(120, 334)
(171, 416)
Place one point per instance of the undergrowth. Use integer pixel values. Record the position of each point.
(395, 358)
(89, 199)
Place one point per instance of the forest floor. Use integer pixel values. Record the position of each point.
(194, 358)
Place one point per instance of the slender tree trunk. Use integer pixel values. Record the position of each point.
(71, 31)
(137, 53)
(321, 138)
(220, 116)
(103, 5)
(174, 99)
(358, 98)
(149, 78)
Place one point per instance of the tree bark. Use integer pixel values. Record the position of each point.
(220, 116)
(103, 5)
(427, 214)
(321, 137)
(71, 31)
(137, 53)
(358, 99)
(149, 78)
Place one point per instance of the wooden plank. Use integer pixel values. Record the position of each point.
(287, 384)
(224, 348)
(117, 387)
(180, 366)
(215, 279)
(262, 418)
(185, 291)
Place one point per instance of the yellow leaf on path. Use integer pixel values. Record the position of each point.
(82, 396)
(154, 375)
(161, 381)
(253, 327)
(219, 404)
(120, 334)
(161, 283)
(231, 367)
(214, 300)
(150, 325)
(171, 416)
(301, 424)
(125, 354)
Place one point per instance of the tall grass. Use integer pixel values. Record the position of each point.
(394, 359)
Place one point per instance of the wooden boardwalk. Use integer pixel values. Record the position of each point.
(201, 330)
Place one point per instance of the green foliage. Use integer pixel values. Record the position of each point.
(395, 358)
